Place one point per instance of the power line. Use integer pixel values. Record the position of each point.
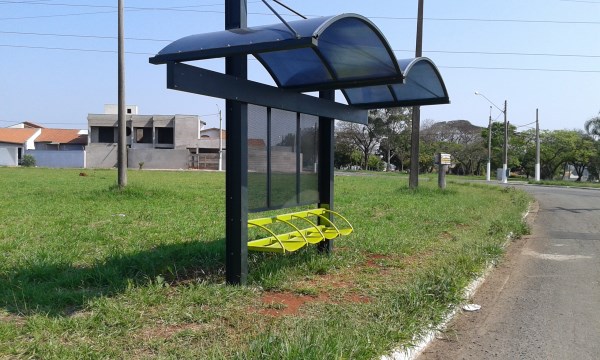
(72, 49)
(582, 1)
(571, 22)
(187, 9)
(447, 67)
(520, 69)
(520, 126)
(4, 2)
(504, 53)
(42, 123)
(80, 36)
(395, 50)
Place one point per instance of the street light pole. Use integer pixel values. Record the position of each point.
(489, 162)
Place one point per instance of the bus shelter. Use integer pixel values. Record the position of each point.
(280, 140)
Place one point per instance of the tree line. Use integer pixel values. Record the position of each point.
(387, 135)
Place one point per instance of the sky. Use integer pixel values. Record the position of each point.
(59, 57)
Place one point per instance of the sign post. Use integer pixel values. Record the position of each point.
(442, 160)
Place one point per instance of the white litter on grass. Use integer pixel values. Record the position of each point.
(121, 215)
(471, 307)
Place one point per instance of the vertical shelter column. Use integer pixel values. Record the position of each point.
(236, 178)
(326, 142)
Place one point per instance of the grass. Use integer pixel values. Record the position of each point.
(88, 271)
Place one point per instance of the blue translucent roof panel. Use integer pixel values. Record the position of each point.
(369, 95)
(325, 52)
(355, 50)
(423, 82)
(423, 85)
(346, 52)
(297, 67)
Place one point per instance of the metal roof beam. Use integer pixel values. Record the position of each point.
(200, 81)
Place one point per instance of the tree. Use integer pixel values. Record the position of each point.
(592, 127)
(389, 124)
(556, 149)
(523, 151)
(459, 138)
(358, 137)
(594, 166)
(583, 153)
(393, 127)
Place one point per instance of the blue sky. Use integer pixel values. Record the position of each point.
(59, 59)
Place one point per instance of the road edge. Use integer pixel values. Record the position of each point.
(411, 353)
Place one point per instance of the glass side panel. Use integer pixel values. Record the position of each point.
(309, 147)
(283, 158)
(296, 67)
(257, 157)
(354, 51)
(369, 94)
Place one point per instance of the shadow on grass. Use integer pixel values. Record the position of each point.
(60, 289)
(63, 289)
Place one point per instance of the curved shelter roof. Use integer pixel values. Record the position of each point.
(346, 52)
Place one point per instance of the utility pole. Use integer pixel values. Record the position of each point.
(537, 146)
(413, 181)
(489, 162)
(505, 164)
(122, 124)
(220, 140)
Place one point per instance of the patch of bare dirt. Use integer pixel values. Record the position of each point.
(163, 331)
(285, 303)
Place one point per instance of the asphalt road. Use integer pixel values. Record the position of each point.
(543, 300)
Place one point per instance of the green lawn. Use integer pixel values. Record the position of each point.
(87, 271)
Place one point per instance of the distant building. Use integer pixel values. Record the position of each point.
(14, 142)
(49, 147)
(156, 141)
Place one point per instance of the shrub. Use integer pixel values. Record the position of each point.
(28, 161)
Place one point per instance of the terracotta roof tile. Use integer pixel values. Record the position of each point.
(62, 136)
(16, 136)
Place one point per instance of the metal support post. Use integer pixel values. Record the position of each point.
(236, 180)
(326, 172)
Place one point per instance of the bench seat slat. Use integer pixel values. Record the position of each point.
(297, 239)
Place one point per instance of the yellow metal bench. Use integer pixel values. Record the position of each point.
(299, 236)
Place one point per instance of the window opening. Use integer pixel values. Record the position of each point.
(164, 135)
(106, 134)
(143, 135)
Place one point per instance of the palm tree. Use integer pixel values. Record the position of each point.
(592, 126)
